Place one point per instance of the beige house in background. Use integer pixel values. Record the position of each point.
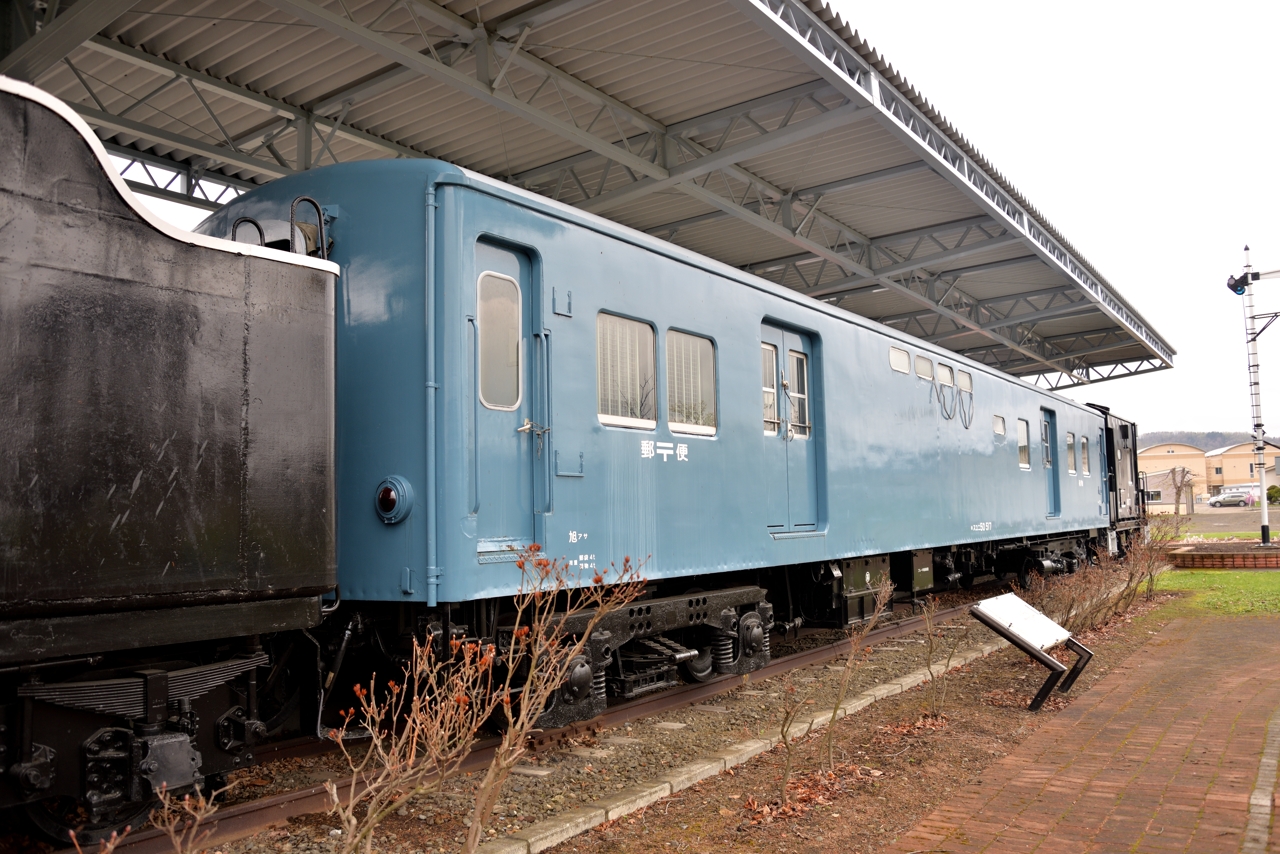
(1170, 455)
(1234, 465)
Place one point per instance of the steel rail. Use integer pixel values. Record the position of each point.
(245, 819)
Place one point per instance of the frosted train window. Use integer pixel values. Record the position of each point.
(964, 380)
(499, 329)
(798, 392)
(1084, 455)
(997, 424)
(1071, 453)
(769, 382)
(924, 368)
(625, 381)
(900, 360)
(1024, 444)
(945, 375)
(691, 384)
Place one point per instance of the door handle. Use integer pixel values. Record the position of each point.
(536, 429)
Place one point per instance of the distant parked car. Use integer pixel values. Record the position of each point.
(1225, 499)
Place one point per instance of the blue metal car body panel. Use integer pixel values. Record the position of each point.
(883, 470)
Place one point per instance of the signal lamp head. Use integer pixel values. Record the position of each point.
(1236, 286)
(393, 499)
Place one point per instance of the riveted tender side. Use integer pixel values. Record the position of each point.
(165, 481)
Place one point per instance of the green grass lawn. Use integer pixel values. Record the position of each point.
(1227, 592)
(1220, 535)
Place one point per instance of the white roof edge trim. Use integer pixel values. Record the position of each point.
(32, 93)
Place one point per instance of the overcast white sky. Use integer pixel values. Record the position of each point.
(1147, 133)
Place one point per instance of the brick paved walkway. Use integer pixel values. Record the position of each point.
(1161, 755)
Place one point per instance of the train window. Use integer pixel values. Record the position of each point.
(1084, 455)
(1046, 449)
(1071, 453)
(798, 392)
(945, 374)
(1024, 444)
(499, 328)
(997, 424)
(691, 384)
(964, 380)
(769, 379)
(924, 368)
(625, 380)
(900, 360)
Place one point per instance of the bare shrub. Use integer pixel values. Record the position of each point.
(793, 700)
(416, 733)
(857, 656)
(935, 637)
(105, 846)
(1106, 586)
(185, 821)
(1152, 551)
(553, 622)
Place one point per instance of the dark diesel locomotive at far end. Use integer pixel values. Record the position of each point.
(431, 374)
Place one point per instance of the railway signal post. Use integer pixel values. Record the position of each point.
(1243, 286)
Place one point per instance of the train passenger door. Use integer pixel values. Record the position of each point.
(1049, 453)
(506, 445)
(790, 460)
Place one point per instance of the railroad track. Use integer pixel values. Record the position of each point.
(245, 819)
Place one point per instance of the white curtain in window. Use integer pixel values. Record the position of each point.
(691, 380)
(625, 377)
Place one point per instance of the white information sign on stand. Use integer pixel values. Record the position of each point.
(1017, 616)
(1033, 633)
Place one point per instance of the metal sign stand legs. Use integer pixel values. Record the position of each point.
(1056, 668)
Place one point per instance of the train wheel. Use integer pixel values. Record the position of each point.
(700, 669)
(1029, 568)
(57, 818)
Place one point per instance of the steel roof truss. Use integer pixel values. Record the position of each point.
(178, 182)
(1057, 381)
(56, 39)
(697, 126)
(283, 111)
(503, 99)
(697, 160)
(796, 27)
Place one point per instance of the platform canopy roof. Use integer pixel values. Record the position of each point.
(763, 133)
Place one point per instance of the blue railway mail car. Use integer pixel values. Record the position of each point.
(511, 370)
(200, 431)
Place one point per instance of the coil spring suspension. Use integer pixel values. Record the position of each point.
(597, 684)
(764, 647)
(725, 652)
